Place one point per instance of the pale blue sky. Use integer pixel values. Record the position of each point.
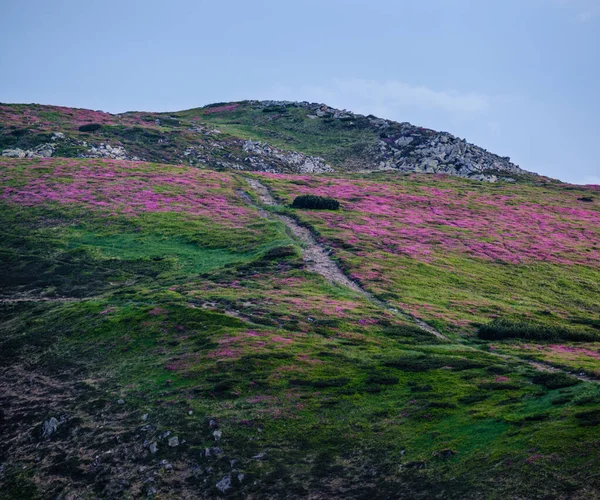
(518, 77)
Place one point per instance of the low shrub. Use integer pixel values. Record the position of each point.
(90, 127)
(315, 202)
(425, 363)
(588, 418)
(506, 329)
(554, 380)
(280, 253)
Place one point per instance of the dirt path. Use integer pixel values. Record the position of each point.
(43, 299)
(546, 367)
(318, 258)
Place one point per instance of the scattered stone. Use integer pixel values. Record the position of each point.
(233, 462)
(144, 417)
(174, 441)
(14, 153)
(224, 484)
(120, 402)
(240, 476)
(260, 456)
(217, 434)
(153, 448)
(190, 412)
(49, 427)
(107, 151)
(212, 423)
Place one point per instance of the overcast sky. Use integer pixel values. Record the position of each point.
(517, 77)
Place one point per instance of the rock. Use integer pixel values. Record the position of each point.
(49, 427)
(41, 151)
(14, 153)
(153, 448)
(174, 441)
(107, 151)
(144, 417)
(217, 451)
(57, 136)
(240, 476)
(190, 412)
(120, 402)
(260, 456)
(217, 435)
(212, 423)
(224, 484)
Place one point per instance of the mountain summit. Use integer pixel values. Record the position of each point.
(268, 136)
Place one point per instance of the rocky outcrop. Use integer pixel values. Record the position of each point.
(408, 148)
(107, 151)
(296, 162)
(41, 151)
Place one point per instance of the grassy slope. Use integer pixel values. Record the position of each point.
(191, 314)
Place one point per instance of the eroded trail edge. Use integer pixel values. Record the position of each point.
(318, 258)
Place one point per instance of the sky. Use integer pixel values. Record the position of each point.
(517, 77)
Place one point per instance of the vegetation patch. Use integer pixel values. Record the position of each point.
(500, 329)
(315, 202)
(554, 380)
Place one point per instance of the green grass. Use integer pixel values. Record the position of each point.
(187, 314)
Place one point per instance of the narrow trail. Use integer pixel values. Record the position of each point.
(547, 367)
(318, 260)
(43, 299)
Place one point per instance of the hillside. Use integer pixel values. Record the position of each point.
(171, 327)
(270, 136)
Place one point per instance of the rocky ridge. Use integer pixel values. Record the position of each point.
(189, 137)
(408, 148)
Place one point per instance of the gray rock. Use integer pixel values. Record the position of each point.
(120, 402)
(49, 427)
(224, 484)
(153, 448)
(174, 441)
(144, 417)
(14, 153)
(217, 434)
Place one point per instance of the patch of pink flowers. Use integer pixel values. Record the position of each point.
(423, 221)
(121, 187)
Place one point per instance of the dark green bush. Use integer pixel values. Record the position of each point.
(425, 363)
(90, 127)
(280, 253)
(506, 329)
(554, 380)
(316, 202)
(588, 418)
